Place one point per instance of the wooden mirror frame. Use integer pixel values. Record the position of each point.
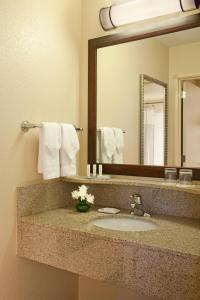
(111, 40)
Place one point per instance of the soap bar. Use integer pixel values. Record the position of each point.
(109, 210)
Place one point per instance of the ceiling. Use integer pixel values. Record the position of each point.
(181, 37)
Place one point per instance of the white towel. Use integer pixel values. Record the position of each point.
(49, 146)
(108, 145)
(69, 148)
(119, 140)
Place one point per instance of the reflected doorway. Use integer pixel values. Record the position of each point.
(190, 108)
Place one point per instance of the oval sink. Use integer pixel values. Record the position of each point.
(124, 223)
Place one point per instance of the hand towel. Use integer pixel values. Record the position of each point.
(69, 149)
(119, 140)
(49, 146)
(108, 145)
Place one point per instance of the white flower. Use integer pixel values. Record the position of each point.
(90, 198)
(82, 191)
(75, 194)
(82, 194)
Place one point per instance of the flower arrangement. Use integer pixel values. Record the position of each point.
(84, 198)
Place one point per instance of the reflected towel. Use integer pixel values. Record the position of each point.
(108, 144)
(119, 140)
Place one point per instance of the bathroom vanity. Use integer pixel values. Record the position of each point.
(163, 262)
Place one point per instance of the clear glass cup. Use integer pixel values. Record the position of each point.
(170, 175)
(185, 176)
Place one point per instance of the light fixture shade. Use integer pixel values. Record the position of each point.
(137, 10)
(105, 18)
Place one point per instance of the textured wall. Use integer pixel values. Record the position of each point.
(39, 80)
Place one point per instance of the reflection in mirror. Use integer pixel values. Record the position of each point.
(153, 121)
(173, 60)
(191, 122)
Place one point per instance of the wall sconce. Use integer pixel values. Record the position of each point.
(138, 10)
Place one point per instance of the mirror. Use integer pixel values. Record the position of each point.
(153, 122)
(143, 112)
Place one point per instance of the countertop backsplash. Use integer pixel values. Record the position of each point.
(158, 199)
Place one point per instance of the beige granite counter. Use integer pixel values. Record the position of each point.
(164, 262)
(173, 234)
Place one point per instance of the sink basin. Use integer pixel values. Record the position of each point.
(124, 223)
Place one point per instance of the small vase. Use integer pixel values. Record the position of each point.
(83, 206)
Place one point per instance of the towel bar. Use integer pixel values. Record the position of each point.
(26, 125)
(99, 131)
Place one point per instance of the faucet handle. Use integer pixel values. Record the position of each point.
(137, 198)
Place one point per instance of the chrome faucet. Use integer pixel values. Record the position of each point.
(137, 205)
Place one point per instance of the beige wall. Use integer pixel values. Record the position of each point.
(118, 87)
(39, 80)
(184, 62)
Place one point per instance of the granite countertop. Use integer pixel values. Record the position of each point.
(167, 259)
(179, 236)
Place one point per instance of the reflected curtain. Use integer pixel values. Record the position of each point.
(153, 134)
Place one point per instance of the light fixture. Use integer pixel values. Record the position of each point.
(138, 10)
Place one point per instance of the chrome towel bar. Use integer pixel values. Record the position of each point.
(26, 125)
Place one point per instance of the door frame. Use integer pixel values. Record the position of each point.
(179, 105)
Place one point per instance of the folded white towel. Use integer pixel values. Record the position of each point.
(69, 148)
(49, 146)
(108, 145)
(119, 140)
